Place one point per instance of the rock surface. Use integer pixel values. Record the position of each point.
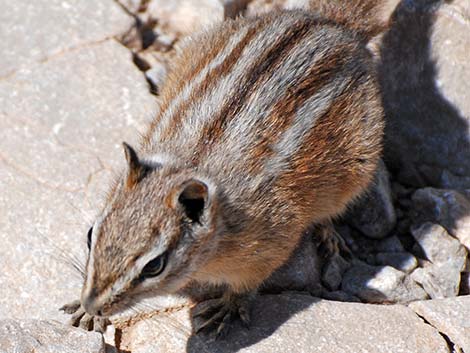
(281, 324)
(429, 116)
(439, 280)
(38, 30)
(403, 261)
(449, 208)
(41, 336)
(449, 316)
(186, 16)
(438, 246)
(384, 284)
(300, 273)
(61, 127)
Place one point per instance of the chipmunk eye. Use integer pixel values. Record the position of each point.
(88, 241)
(154, 267)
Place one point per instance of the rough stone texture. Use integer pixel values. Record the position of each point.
(385, 284)
(449, 208)
(256, 7)
(374, 215)
(438, 246)
(366, 248)
(449, 316)
(403, 261)
(34, 31)
(300, 273)
(61, 127)
(133, 6)
(299, 323)
(41, 336)
(441, 280)
(390, 244)
(186, 16)
(428, 117)
(161, 334)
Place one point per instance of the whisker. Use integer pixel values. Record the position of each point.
(62, 256)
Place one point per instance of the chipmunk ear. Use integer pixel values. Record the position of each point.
(136, 169)
(194, 198)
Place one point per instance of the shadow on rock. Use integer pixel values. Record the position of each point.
(426, 136)
(268, 314)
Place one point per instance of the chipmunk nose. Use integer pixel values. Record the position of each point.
(91, 304)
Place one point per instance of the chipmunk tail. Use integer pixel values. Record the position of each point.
(363, 16)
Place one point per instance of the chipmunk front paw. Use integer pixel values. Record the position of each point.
(217, 315)
(81, 319)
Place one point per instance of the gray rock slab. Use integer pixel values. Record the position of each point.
(374, 215)
(381, 284)
(35, 31)
(437, 245)
(441, 280)
(403, 261)
(449, 316)
(301, 272)
(300, 324)
(390, 244)
(449, 208)
(40, 336)
(184, 17)
(61, 127)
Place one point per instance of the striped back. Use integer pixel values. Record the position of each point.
(244, 96)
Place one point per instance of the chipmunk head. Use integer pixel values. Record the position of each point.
(155, 231)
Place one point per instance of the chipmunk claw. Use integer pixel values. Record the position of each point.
(81, 319)
(70, 308)
(218, 315)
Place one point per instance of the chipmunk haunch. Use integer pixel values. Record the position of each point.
(266, 126)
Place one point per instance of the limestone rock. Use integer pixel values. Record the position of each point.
(403, 261)
(35, 31)
(283, 323)
(187, 16)
(41, 336)
(389, 245)
(298, 323)
(449, 208)
(425, 81)
(340, 296)
(62, 123)
(449, 316)
(385, 284)
(301, 272)
(133, 6)
(438, 246)
(374, 215)
(366, 248)
(257, 7)
(441, 280)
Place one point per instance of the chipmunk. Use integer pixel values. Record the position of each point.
(266, 126)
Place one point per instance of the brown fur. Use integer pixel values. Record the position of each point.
(283, 130)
